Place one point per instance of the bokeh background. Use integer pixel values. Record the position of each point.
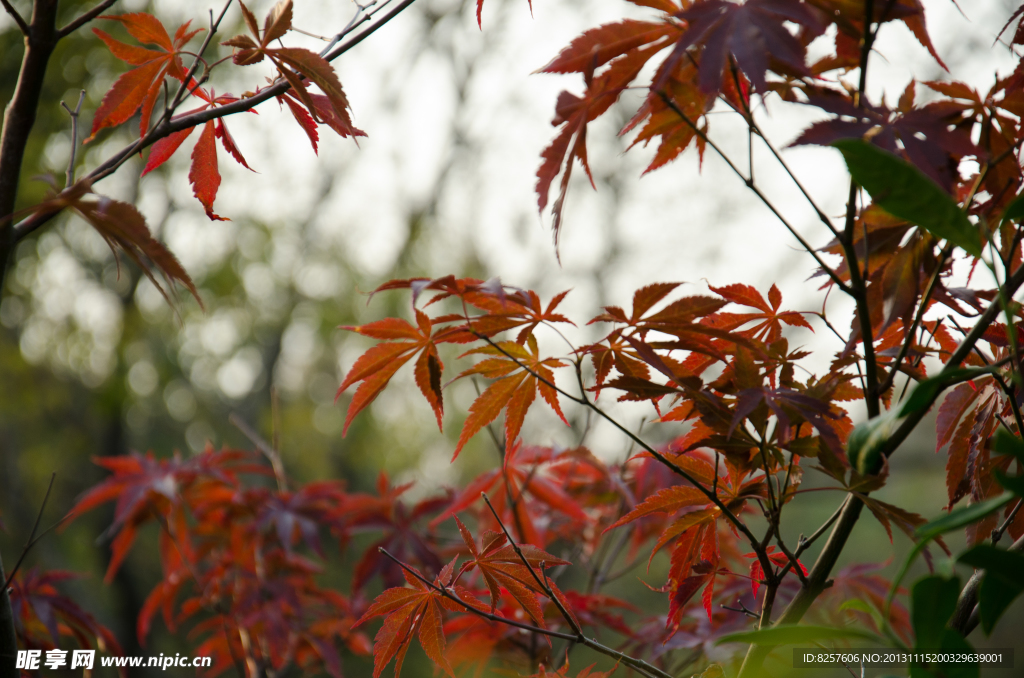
(93, 362)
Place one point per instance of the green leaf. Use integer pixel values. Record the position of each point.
(905, 192)
(795, 635)
(863, 449)
(1007, 443)
(864, 446)
(962, 517)
(1013, 484)
(933, 601)
(861, 606)
(925, 393)
(954, 643)
(1015, 210)
(1003, 581)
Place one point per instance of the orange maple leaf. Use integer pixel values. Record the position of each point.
(520, 374)
(140, 86)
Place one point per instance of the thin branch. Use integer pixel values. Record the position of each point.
(804, 544)
(753, 128)
(584, 400)
(269, 451)
(469, 608)
(83, 19)
(17, 17)
(32, 536)
(965, 617)
(757, 191)
(997, 533)
(569, 619)
(179, 96)
(918, 318)
(69, 177)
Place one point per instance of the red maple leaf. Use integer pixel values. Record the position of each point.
(520, 373)
(413, 610)
(501, 567)
(376, 367)
(140, 86)
(204, 174)
(296, 65)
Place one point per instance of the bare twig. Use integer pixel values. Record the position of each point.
(997, 533)
(757, 191)
(918, 318)
(269, 451)
(83, 19)
(753, 128)
(32, 536)
(70, 175)
(17, 17)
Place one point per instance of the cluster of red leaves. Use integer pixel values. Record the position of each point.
(43, 615)
(750, 423)
(715, 51)
(141, 88)
(228, 549)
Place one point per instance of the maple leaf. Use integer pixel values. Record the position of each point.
(526, 470)
(520, 373)
(769, 329)
(397, 525)
(663, 120)
(203, 174)
(923, 134)
(36, 602)
(501, 567)
(573, 113)
(140, 86)
(144, 487)
(756, 572)
(752, 35)
(415, 609)
(376, 367)
(848, 16)
(123, 228)
(296, 65)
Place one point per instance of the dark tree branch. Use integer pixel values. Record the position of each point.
(40, 40)
(965, 618)
(818, 577)
(84, 18)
